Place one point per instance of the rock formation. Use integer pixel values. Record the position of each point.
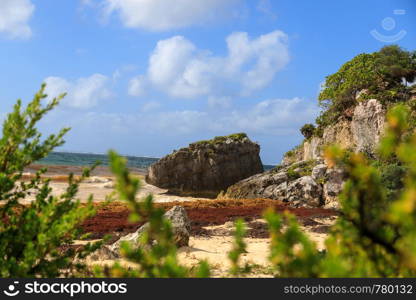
(206, 168)
(367, 125)
(181, 228)
(360, 132)
(303, 179)
(302, 184)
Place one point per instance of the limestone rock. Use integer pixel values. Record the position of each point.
(205, 168)
(339, 134)
(319, 171)
(293, 184)
(312, 148)
(304, 192)
(181, 228)
(258, 186)
(367, 125)
(181, 225)
(335, 178)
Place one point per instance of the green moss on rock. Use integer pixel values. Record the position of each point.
(221, 139)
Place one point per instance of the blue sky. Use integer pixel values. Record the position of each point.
(145, 77)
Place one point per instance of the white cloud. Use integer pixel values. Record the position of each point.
(82, 93)
(180, 69)
(150, 106)
(270, 117)
(274, 117)
(136, 86)
(220, 102)
(160, 15)
(14, 18)
(268, 54)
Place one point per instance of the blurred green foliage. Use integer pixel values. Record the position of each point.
(35, 239)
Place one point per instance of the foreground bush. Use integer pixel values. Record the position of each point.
(35, 239)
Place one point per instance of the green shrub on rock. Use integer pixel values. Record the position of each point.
(307, 130)
(380, 75)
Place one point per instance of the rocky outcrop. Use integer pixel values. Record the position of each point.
(181, 228)
(359, 131)
(312, 148)
(208, 167)
(339, 133)
(367, 125)
(304, 191)
(299, 184)
(302, 184)
(335, 179)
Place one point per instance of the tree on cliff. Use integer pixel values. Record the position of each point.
(382, 75)
(307, 130)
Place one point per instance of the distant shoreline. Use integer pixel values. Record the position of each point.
(77, 170)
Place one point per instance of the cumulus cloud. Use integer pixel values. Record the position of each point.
(14, 18)
(161, 15)
(82, 93)
(274, 116)
(219, 102)
(178, 68)
(150, 106)
(136, 86)
(269, 117)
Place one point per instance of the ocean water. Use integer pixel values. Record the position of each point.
(87, 159)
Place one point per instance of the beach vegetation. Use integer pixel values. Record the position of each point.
(36, 239)
(307, 130)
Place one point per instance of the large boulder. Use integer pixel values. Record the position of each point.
(298, 184)
(208, 167)
(335, 179)
(181, 228)
(265, 185)
(304, 192)
(319, 172)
